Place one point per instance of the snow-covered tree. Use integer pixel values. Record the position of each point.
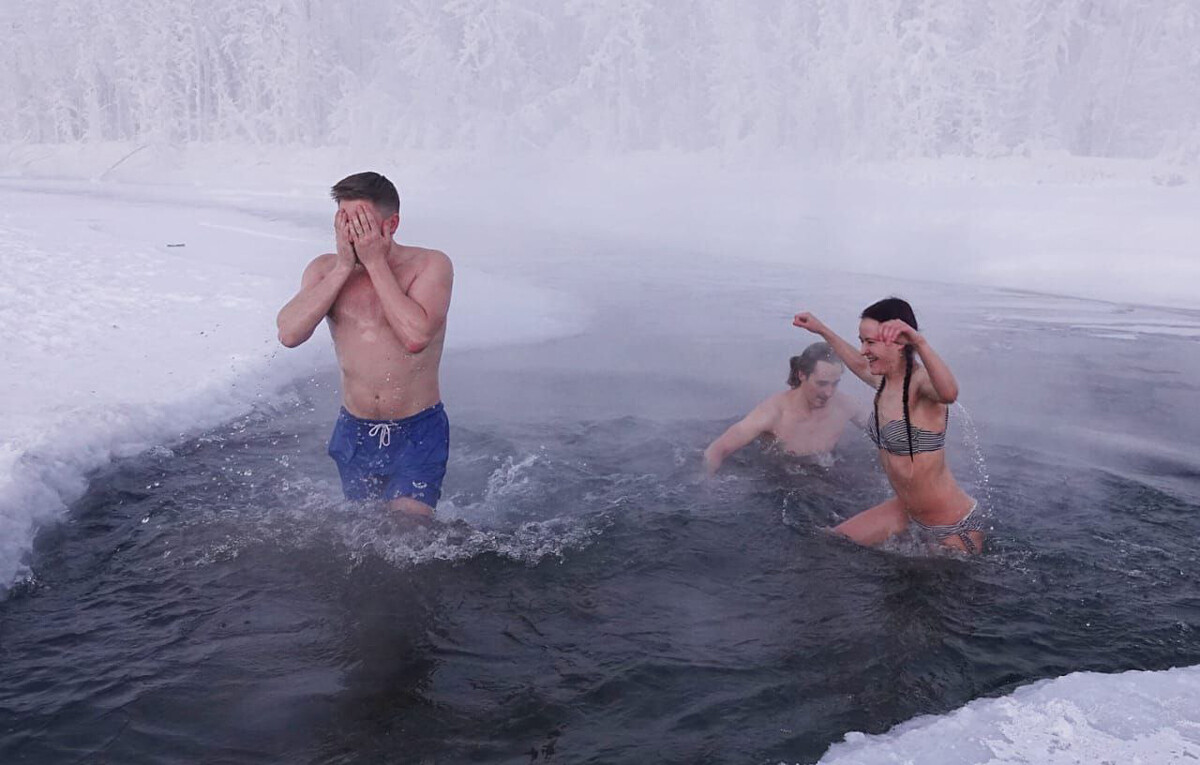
(837, 78)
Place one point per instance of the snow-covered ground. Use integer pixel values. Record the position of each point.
(1133, 718)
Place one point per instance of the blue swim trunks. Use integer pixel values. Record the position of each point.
(387, 459)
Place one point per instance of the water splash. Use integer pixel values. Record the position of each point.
(509, 480)
(982, 482)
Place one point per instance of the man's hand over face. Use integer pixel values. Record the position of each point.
(367, 235)
(346, 257)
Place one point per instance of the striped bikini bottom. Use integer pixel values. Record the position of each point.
(972, 521)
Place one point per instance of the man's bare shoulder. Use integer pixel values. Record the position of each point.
(772, 406)
(426, 258)
(318, 267)
(322, 262)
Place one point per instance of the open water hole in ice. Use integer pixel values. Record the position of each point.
(588, 598)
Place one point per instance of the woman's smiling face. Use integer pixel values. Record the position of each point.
(881, 357)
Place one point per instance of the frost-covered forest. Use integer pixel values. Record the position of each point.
(851, 79)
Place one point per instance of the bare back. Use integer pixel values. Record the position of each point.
(381, 379)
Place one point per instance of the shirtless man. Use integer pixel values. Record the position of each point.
(808, 419)
(386, 304)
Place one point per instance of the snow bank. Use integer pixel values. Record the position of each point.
(1146, 718)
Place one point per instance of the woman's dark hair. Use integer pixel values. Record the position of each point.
(886, 310)
(806, 362)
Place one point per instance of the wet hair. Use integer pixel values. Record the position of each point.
(886, 310)
(806, 362)
(371, 187)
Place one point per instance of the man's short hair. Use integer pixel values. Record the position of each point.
(806, 362)
(372, 187)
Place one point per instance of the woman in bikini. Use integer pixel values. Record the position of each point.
(913, 392)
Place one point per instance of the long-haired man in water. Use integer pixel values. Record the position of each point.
(806, 419)
(386, 305)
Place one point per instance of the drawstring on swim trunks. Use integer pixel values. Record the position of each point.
(384, 431)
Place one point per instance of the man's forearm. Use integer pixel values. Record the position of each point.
(712, 459)
(299, 318)
(404, 315)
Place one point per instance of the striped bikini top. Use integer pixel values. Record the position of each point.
(895, 437)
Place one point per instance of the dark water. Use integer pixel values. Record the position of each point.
(589, 599)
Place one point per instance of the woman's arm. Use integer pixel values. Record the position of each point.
(849, 355)
(941, 386)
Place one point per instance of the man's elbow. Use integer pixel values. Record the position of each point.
(415, 346)
(419, 340)
(950, 396)
(291, 339)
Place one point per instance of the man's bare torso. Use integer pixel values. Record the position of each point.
(801, 431)
(381, 380)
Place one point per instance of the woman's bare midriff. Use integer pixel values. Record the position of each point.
(925, 487)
